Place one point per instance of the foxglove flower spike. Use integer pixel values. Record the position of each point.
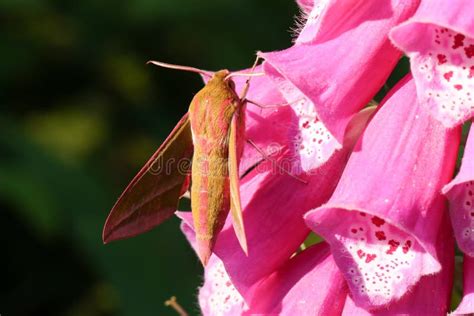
(439, 40)
(383, 220)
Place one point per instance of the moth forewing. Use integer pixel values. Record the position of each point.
(236, 144)
(153, 194)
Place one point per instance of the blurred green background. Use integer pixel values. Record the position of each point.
(80, 113)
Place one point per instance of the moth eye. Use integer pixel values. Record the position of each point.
(231, 84)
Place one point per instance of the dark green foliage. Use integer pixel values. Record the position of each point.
(80, 113)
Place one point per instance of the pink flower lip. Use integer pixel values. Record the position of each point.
(460, 193)
(439, 39)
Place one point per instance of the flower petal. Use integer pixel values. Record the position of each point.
(340, 74)
(305, 5)
(432, 294)
(383, 219)
(460, 193)
(217, 296)
(466, 307)
(296, 288)
(324, 19)
(439, 40)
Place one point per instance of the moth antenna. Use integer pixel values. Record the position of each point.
(244, 74)
(180, 67)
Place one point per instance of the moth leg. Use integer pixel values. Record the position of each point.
(247, 82)
(244, 74)
(266, 106)
(271, 106)
(266, 157)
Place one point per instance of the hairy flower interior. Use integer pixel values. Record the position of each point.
(463, 216)
(468, 203)
(222, 297)
(445, 74)
(380, 261)
(312, 142)
(312, 24)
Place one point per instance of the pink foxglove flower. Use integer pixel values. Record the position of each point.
(383, 220)
(275, 201)
(340, 60)
(439, 40)
(294, 289)
(466, 307)
(217, 296)
(310, 283)
(431, 296)
(460, 193)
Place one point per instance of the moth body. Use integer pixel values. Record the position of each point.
(210, 114)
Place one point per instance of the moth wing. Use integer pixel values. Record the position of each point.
(235, 204)
(153, 194)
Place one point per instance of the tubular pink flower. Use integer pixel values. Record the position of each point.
(340, 60)
(460, 193)
(217, 296)
(439, 40)
(383, 219)
(466, 307)
(274, 202)
(294, 289)
(308, 284)
(324, 17)
(431, 296)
